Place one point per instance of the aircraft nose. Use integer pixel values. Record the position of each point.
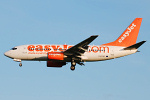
(7, 53)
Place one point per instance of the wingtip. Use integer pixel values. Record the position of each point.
(95, 35)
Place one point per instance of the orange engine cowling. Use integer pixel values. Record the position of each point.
(56, 55)
(55, 64)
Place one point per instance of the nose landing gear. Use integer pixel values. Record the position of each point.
(18, 60)
(20, 64)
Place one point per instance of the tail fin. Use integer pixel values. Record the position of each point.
(129, 36)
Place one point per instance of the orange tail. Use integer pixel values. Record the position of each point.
(129, 36)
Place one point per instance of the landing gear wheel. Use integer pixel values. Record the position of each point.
(72, 68)
(20, 64)
(73, 64)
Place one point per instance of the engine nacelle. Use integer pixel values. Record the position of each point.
(55, 64)
(55, 55)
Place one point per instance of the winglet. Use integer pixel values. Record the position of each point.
(129, 36)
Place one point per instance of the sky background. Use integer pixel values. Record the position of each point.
(71, 21)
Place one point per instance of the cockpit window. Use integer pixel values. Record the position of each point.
(13, 48)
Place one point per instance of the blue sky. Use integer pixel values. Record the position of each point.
(71, 21)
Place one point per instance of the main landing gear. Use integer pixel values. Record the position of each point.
(73, 64)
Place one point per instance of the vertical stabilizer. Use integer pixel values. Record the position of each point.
(129, 36)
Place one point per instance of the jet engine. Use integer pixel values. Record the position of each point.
(55, 55)
(55, 64)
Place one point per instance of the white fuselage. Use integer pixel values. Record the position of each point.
(39, 52)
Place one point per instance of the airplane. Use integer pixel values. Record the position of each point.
(60, 55)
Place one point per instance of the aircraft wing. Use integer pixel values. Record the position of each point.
(80, 48)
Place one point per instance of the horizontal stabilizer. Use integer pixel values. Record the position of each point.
(135, 46)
